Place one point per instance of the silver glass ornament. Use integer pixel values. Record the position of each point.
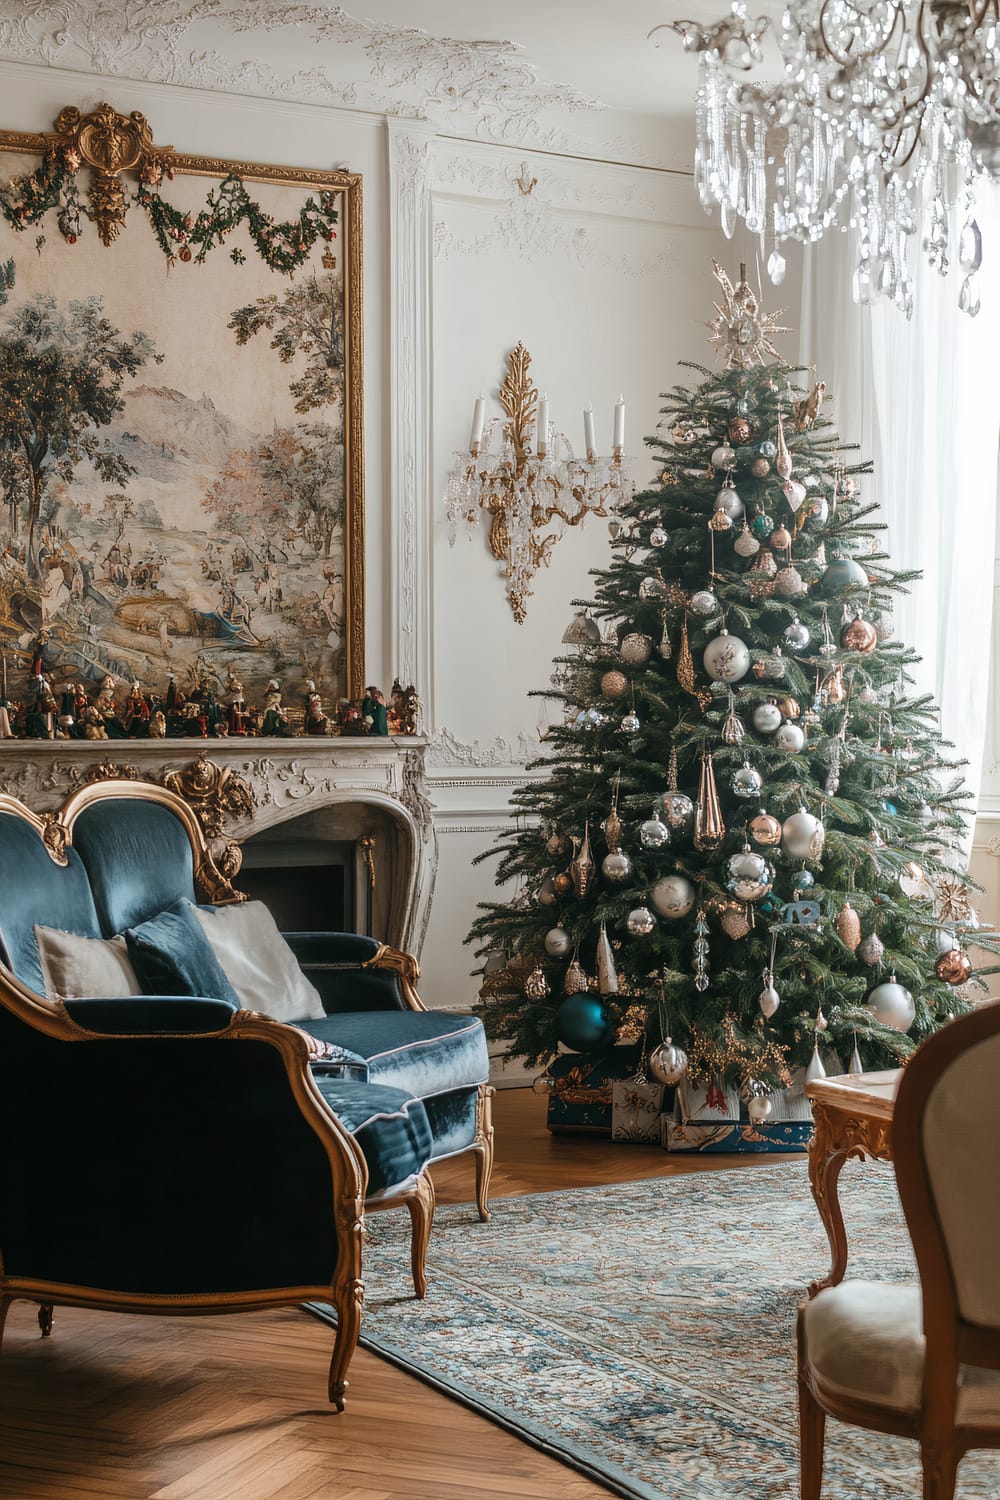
(640, 921)
(543, 1084)
(797, 635)
(667, 1063)
(819, 510)
(855, 1065)
(802, 835)
(658, 537)
(723, 457)
(729, 502)
(654, 833)
(607, 976)
(679, 810)
(815, 1069)
(557, 942)
(766, 718)
(673, 897)
(767, 449)
(726, 658)
(630, 723)
(870, 950)
(892, 1004)
(747, 781)
(805, 880)
(746, 544)
(750, 877)
(652, 588)
(768, 999)
(616, 867)
(635, 649)
(664, 647)
(704, 603)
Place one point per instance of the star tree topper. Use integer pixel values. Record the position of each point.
(741, 330)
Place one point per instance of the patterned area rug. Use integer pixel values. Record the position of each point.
(644, 1332)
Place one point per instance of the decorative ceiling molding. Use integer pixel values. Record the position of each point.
(193, 43)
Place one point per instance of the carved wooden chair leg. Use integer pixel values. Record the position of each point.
(45, 1319)
(812, 1431)
(347, 1300)
(483, 1149)
(940, 1466)
(421, 1205)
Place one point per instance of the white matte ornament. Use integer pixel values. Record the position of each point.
(790, 737)
(668, 1063)
(802, 835)
(723, 457)
(635, 650)
(795, 493)
(944, 941)
(892, 1004)
(557, 942)
(726, 658)
(766, 718)
(640, 921)
(768, 1000)
(815, 1069)
(729, 502)
(789, 583)
(673, 897)
(758, 1109)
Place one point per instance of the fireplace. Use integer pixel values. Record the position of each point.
(335, 834)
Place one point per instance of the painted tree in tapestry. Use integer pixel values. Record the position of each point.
(159, 514)
(744, 841)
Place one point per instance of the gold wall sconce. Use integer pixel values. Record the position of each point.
(522, 474)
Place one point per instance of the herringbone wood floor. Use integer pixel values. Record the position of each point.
(233, 1408)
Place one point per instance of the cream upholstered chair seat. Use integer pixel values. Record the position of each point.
(923, 1360)
(866, 1343)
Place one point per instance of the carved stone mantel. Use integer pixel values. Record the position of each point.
(365, 784)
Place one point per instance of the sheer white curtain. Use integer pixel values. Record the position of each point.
(922, 398)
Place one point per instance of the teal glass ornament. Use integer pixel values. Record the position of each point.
(582, 1023)
(770, 903)
(762, 526)
(843, 573)
(890, 808)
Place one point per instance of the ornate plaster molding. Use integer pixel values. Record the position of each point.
(189, 42)
(446, 749)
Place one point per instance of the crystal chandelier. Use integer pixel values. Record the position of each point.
(887, 115)
(523, 476)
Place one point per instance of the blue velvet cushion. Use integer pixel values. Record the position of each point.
(139, 1015)
(172, 956)
(391, 1128)
(423, 1051)
(138, 856)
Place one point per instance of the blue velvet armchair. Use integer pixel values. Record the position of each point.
(175, 1154)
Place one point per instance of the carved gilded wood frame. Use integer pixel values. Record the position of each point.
(114, 151)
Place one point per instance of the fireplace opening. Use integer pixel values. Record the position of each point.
(306, 887)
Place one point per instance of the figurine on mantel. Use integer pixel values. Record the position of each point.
(6, 728)
(405, 709)
(275, 717)
(137, 712)
(236, 717)
(108, 710)
(316, 720)
(374, 712)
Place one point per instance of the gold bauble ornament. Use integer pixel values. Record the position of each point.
(789, 707)
(576, 981)
(848, 925)
(954, 966)
(536, 986)
(859, 635)
(614, 685)
(765, 829)
(735, 920)
(562, 883)
(581, 866)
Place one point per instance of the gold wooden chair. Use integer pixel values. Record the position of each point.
(923, 1360)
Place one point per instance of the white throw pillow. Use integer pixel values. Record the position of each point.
(258, 963)
(77, 968)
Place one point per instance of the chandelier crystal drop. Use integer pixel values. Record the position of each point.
(887, 116)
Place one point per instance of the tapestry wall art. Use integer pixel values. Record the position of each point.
(180, 415)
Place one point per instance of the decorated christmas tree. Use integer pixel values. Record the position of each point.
(745, 838)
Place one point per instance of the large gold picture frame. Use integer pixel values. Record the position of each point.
(211, 521)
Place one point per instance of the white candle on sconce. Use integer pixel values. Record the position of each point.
(589, 439)
(542, 427)
(478, 423)
(619, 430)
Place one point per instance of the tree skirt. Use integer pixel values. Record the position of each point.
(644, 1332)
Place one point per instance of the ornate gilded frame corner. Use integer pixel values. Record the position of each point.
(404, 966)
(113, 144)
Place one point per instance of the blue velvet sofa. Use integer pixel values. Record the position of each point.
(174, 1154)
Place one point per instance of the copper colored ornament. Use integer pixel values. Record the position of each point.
(735, 921)
(765, 829)
(562, 883)
(954, 967)
(832, 687)
(614, 685)
(789, 707)
(612, 829)
(558, 845)
(859, 635)
(740, 430)
(780, 539)
(848, 925)
(709, 827)
(783, 460)
(581, 866)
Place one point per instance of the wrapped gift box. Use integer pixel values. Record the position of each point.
(714, 1105)
(635, 1111)
(732, 1135)
(581, 1100)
